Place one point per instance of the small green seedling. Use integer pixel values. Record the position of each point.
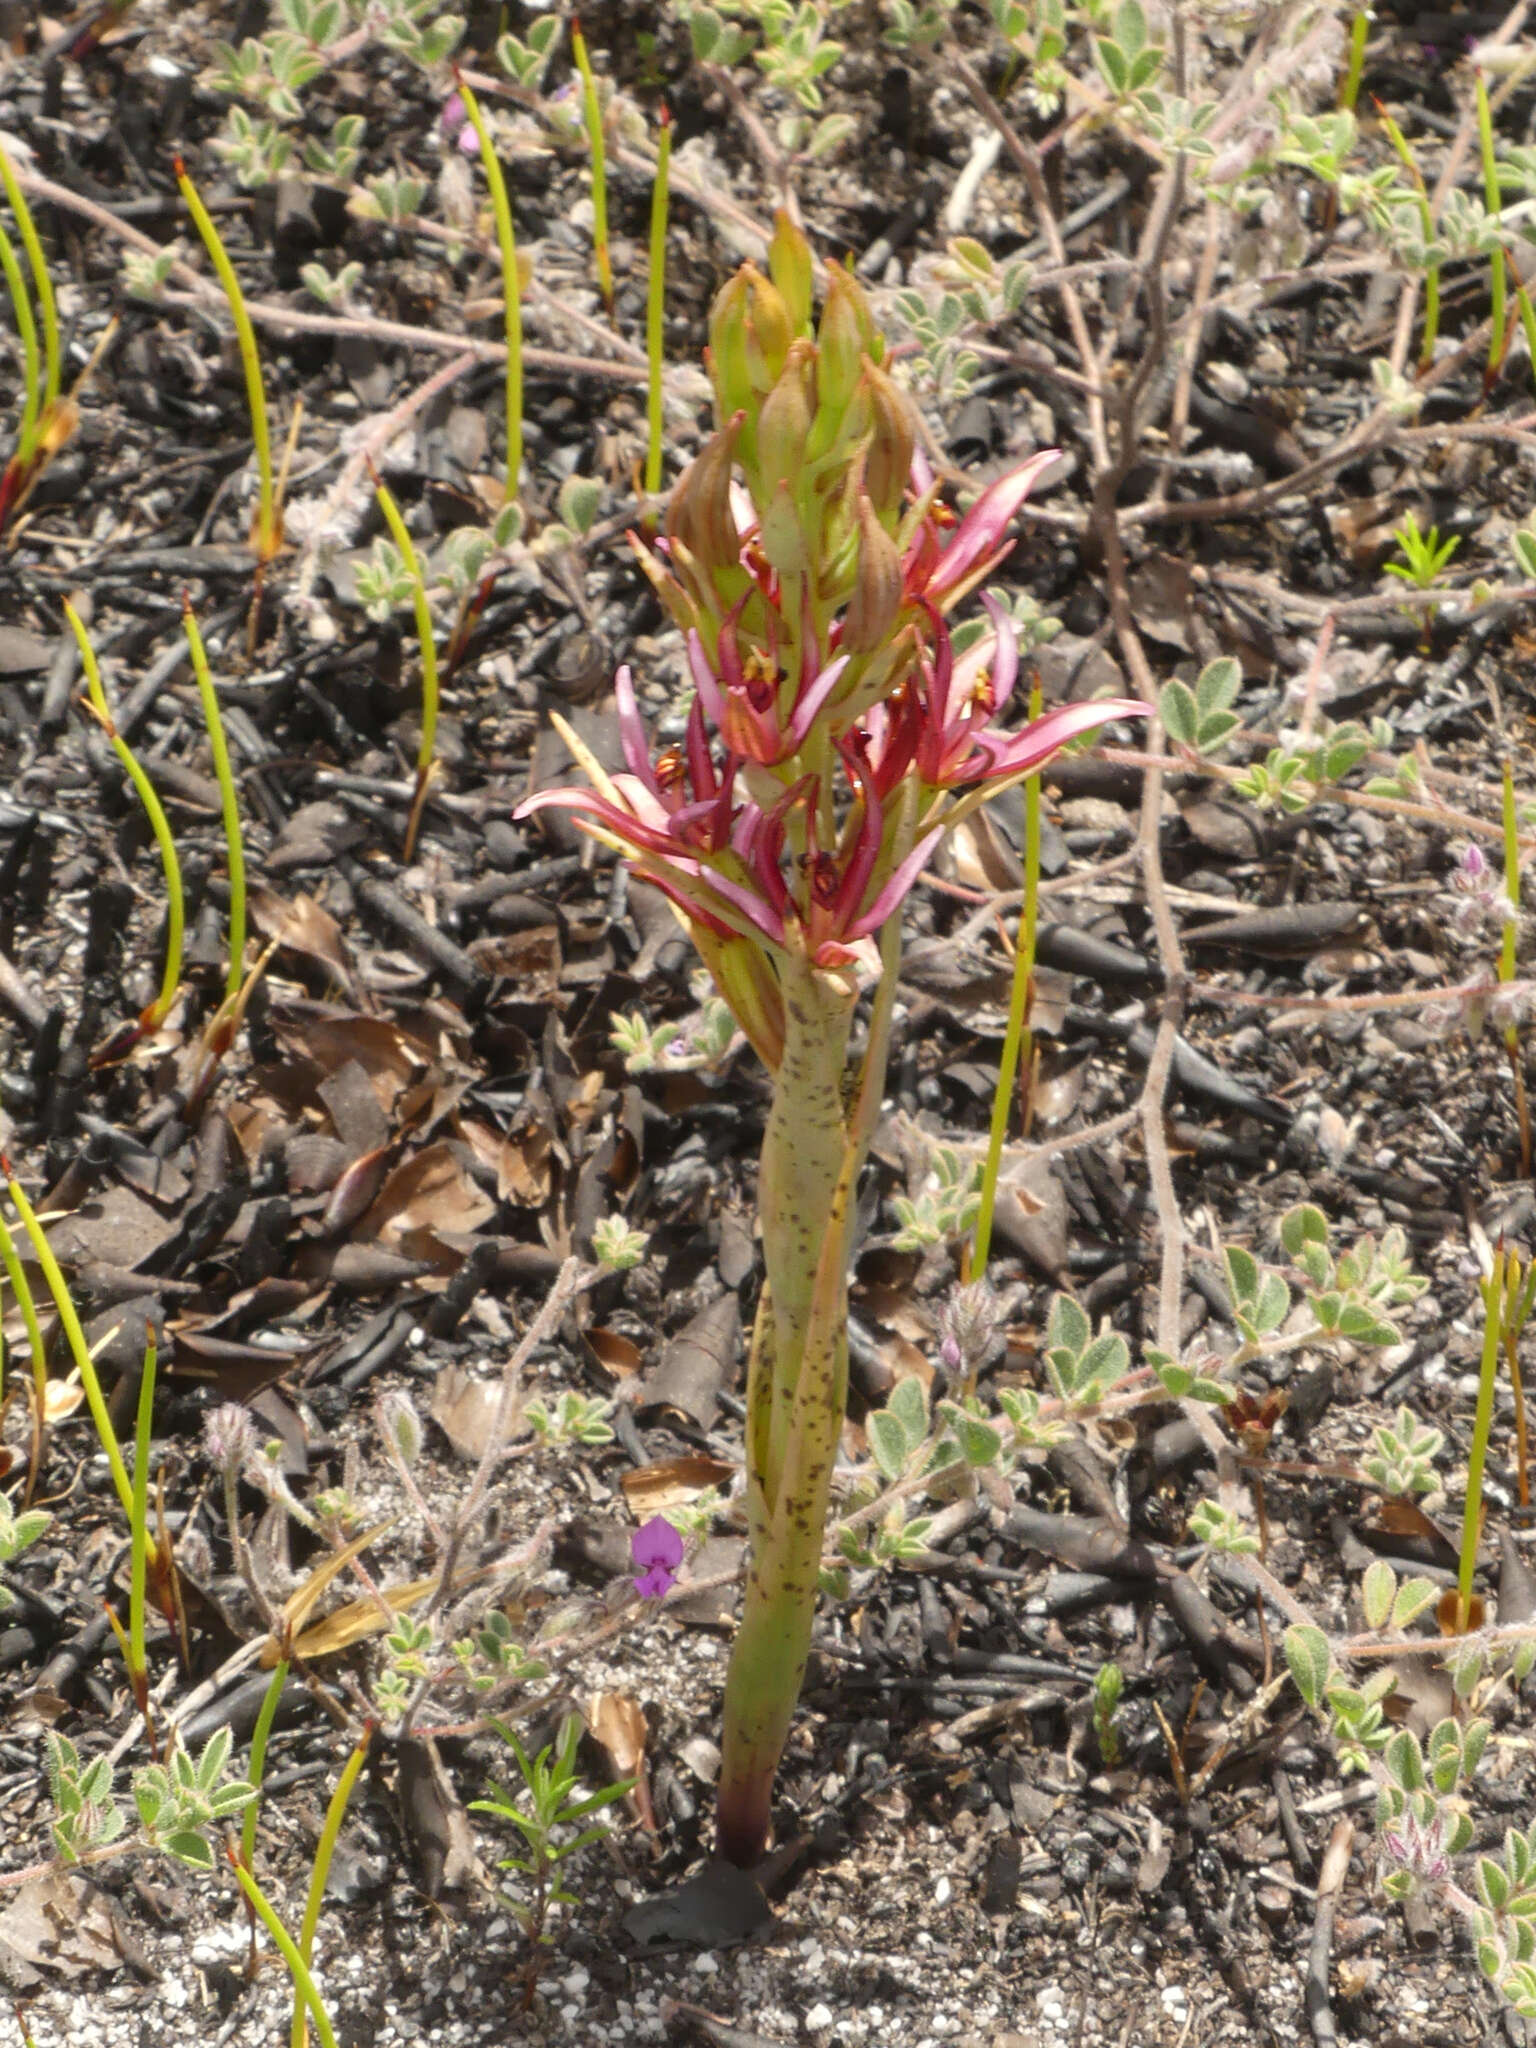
(545, 1812)
(1424, 554)
(1108, 1685)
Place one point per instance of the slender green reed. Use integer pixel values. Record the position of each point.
(80, 1351)
(592, 113)
(229, 799)
(1018, 1037)
(1359, 36)
(1493, 200)
(655, 305)
(42, 285)
(335, 1813)
(159, 1010)
(21, 1287)
(511, 287)
(260, 1736)
(31, 356)
(138, 1662)
(298, 1969)
(1410, 163)
(267, 531)
(424, 754)
(1507, 963)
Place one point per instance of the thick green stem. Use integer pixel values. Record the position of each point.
(812, 1154)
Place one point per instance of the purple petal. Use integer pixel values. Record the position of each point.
(655, 1583)
(656, 1542)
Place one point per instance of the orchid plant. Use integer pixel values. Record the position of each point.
(834, 738)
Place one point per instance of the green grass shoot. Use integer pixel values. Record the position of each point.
(234, 845)
(1359, 36)
(426, 765)
(593, 116)
(74, 1335)
(159, 1010)
(259, 1739)
(132, 1645)
(42, 284)
(1507, 962)
(1493, 201)
(267, 528)
(31, 355)
(1410, 163)
(655, 306)
(1018, 1039)
(287, 1948)
(1508, 1296)
(21, 1287)
(511, 287)
(335, 1813)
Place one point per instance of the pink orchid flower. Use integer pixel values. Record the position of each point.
(944, 575)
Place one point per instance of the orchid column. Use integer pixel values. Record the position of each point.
(832, 741)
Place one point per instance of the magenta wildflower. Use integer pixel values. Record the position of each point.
(658, 1549)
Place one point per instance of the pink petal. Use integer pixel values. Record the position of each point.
(1019, 752)
(1005, 664)
(637, 750)
(896, 888)
(704, 680)
(984, 525)
(812, 700)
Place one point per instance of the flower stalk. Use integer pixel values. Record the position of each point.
(834, 738)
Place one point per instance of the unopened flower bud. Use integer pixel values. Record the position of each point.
(699, 512)
(969, 1321)
(229, 1437)
(785, 420)
(888, 463)
(844, 338)
(780, 534)
(401, 1425)
(727, 351)
(769, 332)
(789, 263)
(877, 585)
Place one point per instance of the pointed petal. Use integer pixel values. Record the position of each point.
(704, 679)
(983, 526)
(812, 700)
(866, 850)
(701, 768)
(1033, 745)
(897, 886)
(637, 750)
(1005, 662)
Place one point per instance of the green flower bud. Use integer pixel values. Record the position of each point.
(845, 337)
(781, 536)
(768, 331)
(877, 587)
(789, 263)
(784, 422)
(888, 463)
(727, 352)
(699, 514)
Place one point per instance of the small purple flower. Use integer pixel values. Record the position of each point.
(658, 1549)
